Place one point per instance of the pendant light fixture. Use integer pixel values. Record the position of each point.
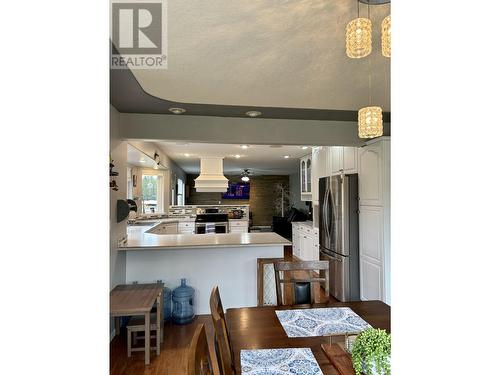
(386, 36)
(358, 37)
(370, 123)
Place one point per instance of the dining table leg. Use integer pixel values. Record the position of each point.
(147, 339)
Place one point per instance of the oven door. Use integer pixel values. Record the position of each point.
(219, 228)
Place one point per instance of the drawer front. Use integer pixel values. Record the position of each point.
(238, 223)
(238, 230)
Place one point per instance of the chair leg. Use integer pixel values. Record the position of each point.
(129, 343)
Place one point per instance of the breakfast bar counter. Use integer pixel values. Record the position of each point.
(139, 239)
(228, 260)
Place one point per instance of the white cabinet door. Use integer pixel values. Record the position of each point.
(371, 242)
(371, 281)
(315, 175)
(336, 159)
(306, 178)
(370, 175)
(295, 241)
(303, 176)
(350, 159)
(308, 245)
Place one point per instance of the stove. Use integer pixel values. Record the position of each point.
(219, 221)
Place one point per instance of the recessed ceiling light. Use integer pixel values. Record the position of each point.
(244, 146)
(142, 161)
(287, 156)
(187, 155)
(253, 113)
(177, 111)
(304, 147)
(237, 156)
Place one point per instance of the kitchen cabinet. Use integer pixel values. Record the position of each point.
(370, 175)
(305, 241)
(186, 227)
(342, 159)
(374, 220)
(350, 159)
(238, 226)
(306, 178)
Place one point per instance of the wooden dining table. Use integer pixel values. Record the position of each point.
(138, 299)
(259, 328)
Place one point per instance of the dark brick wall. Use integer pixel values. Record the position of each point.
(262, 196)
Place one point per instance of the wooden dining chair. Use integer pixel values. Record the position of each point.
(199, 362)
(303, 275)
(223, 350)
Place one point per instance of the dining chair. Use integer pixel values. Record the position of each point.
(199, 362)
(304, 278)
(223, 350)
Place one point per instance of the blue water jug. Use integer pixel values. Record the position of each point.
(182, 299)
(167, 303)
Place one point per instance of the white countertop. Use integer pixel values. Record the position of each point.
(304, 223)
(138, 239)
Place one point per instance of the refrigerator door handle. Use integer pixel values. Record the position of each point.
(327, 216)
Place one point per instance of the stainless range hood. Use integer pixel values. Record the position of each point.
(211, 178)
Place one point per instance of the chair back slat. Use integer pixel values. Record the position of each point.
(223, 349)
(199, 362)
(307, 269)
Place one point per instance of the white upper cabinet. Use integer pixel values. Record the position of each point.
(350, 159)
(336, 159)
(342, 159)
(306, 178)
(373, 173)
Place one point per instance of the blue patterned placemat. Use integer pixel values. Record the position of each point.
(320, 322)
(279, 362)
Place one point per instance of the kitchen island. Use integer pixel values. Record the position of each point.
(205, 260)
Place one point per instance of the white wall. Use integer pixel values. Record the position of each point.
(118, 151)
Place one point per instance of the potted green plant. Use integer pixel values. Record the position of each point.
(371, 352)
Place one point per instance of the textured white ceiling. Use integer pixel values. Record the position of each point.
(260, 159)
(268, 53)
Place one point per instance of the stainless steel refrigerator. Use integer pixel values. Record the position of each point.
(339, 233)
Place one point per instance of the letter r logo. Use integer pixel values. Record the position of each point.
(137, 28)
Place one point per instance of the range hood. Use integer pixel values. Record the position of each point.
(211, 178)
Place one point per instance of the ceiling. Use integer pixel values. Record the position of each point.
(138, 158)
(260, 159)
(286, 58)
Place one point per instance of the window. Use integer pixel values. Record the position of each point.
(152, 193)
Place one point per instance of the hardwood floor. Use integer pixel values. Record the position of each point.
(173, 355)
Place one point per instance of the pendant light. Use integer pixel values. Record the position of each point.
(386, 36)
(358, 37)
(370, 124)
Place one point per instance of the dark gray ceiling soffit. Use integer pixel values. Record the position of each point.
(128, 96)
